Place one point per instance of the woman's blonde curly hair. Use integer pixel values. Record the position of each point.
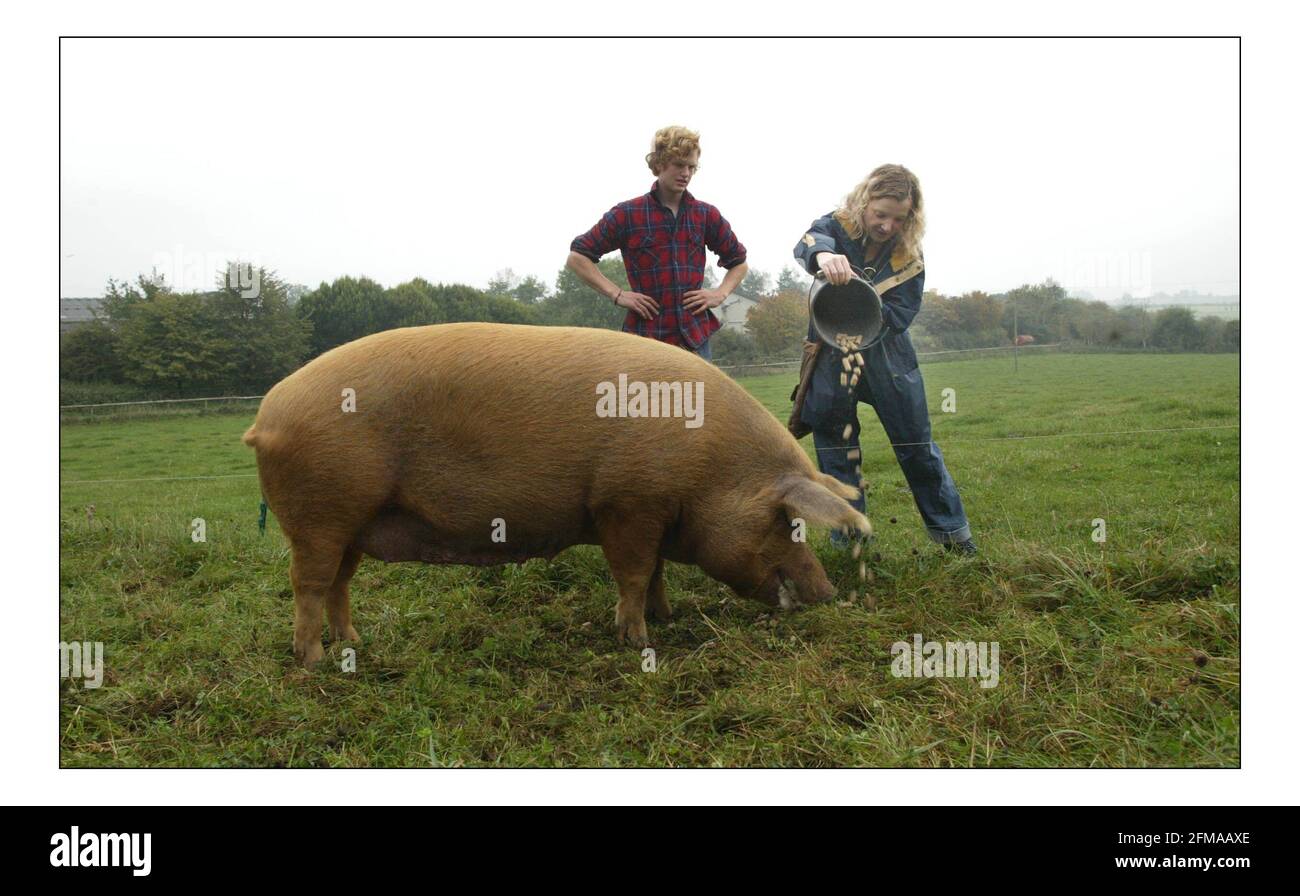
(886, 182)
(671, 144)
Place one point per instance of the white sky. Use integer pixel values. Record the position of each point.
(1111, 165)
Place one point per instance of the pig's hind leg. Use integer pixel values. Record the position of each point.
(631, 547)
(312, 570)
(338, 604)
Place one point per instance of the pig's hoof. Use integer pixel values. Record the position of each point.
(309, 654)
(662, 611)
(344, 634)
(632, 631)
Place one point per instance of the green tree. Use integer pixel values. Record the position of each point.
(89, 353)
(1175, 328)
(1038, 307)
(731, 347)
(1136, 325)
(756, 284)
(527, 290)
(1232, 335)
(259, 336)
(780, 324)
(458, 302)
(792, 280)
(530, 290)
(121, 298)
(236, 338)
(410, 304)
(575, 304)
(347, 309)
(167, 347)
(502, 282)
(1212, 335)
(939, 316)
(978, 312)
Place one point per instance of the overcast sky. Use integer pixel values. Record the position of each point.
(1111, 166)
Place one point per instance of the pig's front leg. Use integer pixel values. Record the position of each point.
(656, 599)
(631, 547)
(338, 604)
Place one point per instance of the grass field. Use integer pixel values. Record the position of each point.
(1117, 654)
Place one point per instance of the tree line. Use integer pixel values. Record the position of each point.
(1042, 311)
(149, 340)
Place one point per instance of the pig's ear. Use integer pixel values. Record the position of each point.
(822, 504)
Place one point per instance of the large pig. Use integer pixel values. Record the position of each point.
(492, 443)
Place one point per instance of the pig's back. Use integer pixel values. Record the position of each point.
(514, 410)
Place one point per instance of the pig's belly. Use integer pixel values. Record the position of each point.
(397, 535)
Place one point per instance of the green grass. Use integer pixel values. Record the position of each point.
(517, 665)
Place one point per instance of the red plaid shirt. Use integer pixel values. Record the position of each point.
(664, 258)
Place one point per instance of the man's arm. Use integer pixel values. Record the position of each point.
(589, 272)
(586, 250)
(720, 239)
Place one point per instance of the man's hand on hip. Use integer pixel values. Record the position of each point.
(641, 304)
(696, 301)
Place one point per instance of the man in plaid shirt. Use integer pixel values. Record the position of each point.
(662, 236)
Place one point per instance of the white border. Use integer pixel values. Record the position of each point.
(29, 751)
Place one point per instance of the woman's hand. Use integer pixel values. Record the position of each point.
(635, 301)
(835, 267)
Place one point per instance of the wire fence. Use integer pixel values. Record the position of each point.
(158, 407)
(749, 368)
(163, 407)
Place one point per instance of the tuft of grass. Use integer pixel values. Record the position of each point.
(1123, 653)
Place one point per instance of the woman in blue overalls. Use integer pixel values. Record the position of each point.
(879, 226)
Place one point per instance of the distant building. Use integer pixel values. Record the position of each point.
(1225, 310)
(1227, 307)
(734, 312)
(75, 312)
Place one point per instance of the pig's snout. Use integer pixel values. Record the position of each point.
(812, 587)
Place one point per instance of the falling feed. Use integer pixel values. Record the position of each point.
(853, 364)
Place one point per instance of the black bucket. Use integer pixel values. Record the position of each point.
(851, 309)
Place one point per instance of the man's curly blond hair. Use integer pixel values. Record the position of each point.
(886, 182)
(671, 144)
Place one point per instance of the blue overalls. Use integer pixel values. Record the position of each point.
(891, 383)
